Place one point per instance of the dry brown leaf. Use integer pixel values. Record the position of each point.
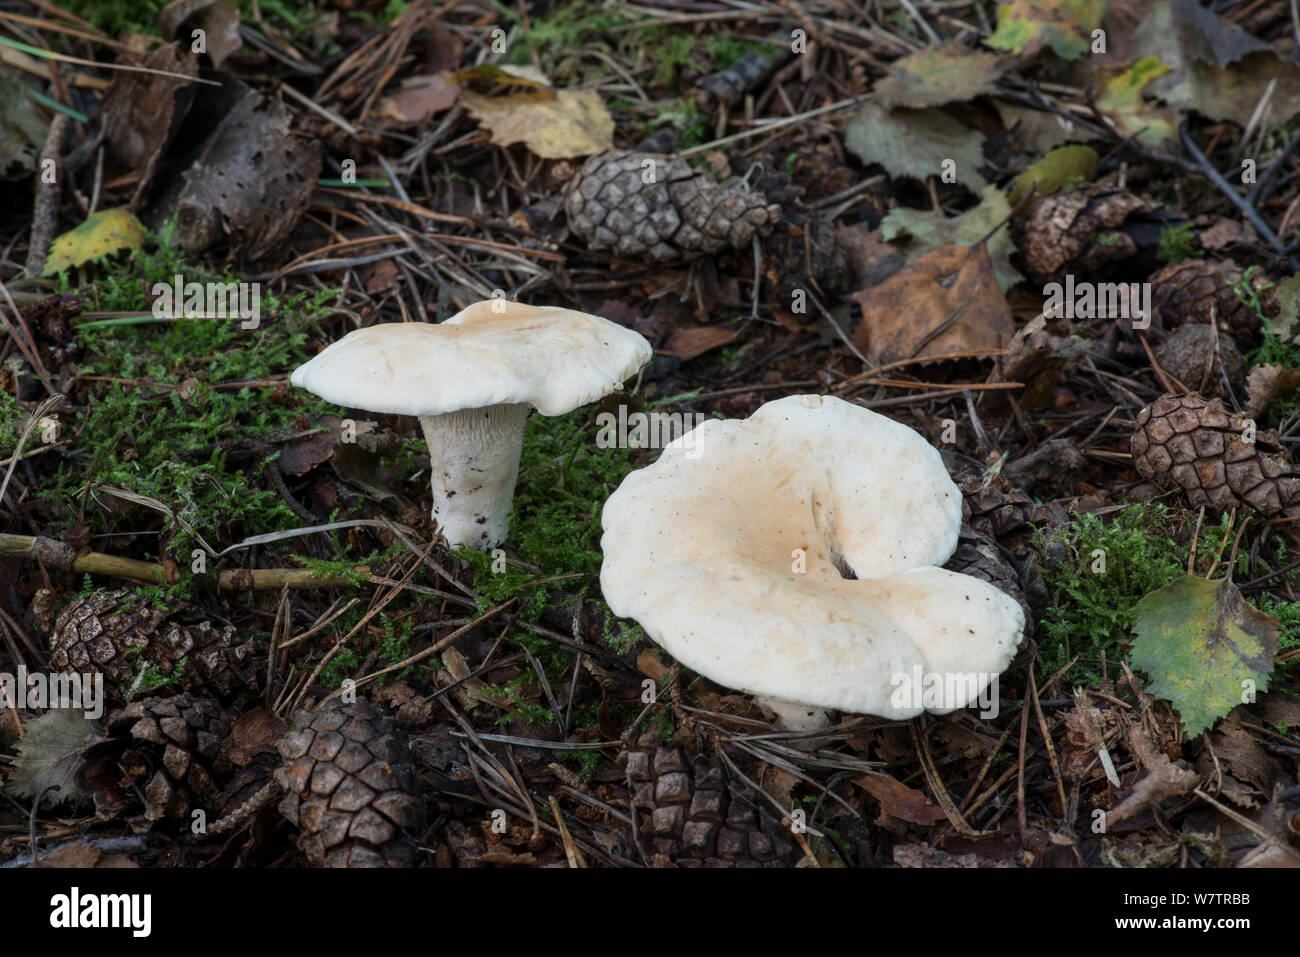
(559, 124)
(898, 800)
(416, 101)
(946, 300)
(1266, 383)
(690, 342)
(219, 20)
(253, 732)
(142, 112)
(650, 664)
(84, 856)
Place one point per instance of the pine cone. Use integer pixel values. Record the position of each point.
(1189, 356)
(161, 759)
(1076, 232)
(1197, 445)
(348, 786)
(1189, 291)
(101, 632)
(688, 814)
(1000, 509)
(682, 213)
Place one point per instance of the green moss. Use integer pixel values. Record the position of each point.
(1176, 244)
(1287, 612)
(564, 479)
(1108, 565)
(725, 49)
(163, 433)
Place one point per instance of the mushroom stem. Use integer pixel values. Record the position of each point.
(792, 716)
(474, 454)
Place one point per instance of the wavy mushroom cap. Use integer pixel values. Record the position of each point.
(551, 358)
(701, 548)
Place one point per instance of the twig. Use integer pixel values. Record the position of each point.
(1241, 202)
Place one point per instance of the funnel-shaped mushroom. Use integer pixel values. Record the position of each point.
(792, 555)
(472, 380)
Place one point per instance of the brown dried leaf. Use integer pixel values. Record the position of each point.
(218, 19)
(84, 856)
(305, 453)
(946, 300)
(252, 733)
(416, 101)
(142, 112)
(1266, 383)
(691, 342)
(900, 801)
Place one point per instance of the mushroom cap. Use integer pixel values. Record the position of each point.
(552, 358)
(700, 548)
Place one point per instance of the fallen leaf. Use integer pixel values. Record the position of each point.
(416, 101)
(102, 234)
(945, 301)
(1204, 647)
(84, 856)
(143, 111)
(649, 664)
(48, 753)
(1284, 326)
(253, 732)
(872, 260)
(915, 143)
(1035, 132)
(932, 229)
(1121, 101)
(1242, 757)
(937, 75)
(1224, 233)
(251, 183)
(504, 73)
(1208, 37)
(898, 800)
(560, 124)
(1064, 25)
(218, 19)
(1164, 779)
(304, 453)
(1267, 383)
(1234, 92)
(22, 131)
(690, 342)
(1059, 168)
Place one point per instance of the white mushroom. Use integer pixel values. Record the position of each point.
(472, 381)
(794, 554)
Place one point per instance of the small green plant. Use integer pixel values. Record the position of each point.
(1176, 244)
(621, 634)
(725, 49)
(1106, 568)
(149, 678)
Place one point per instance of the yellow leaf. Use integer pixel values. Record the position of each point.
(1122, 103)
(563, 124)
(102, 234)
